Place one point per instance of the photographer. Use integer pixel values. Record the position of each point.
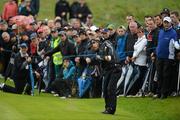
(20, 72)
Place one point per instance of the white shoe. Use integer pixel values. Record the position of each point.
(63, 97)
(43, 90)
(173, 94)
(52, 92)
(56, 95)
(1, 86)
(1, 77)
(120, 95)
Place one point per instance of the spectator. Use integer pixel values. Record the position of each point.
(131, 39)
(65, 47)
(74, 9)
(175, 20)
(6, 45)
(112, 34)
(57, 57)
(130, 18)
(76, 24)
(62, 9)
(121, 40)
(63, 86)
(10, 10)
(139, 58)
(89, 21)
(20, 66)
(165, 13)
(35, 4)
(27, 9)
(158, 21)
(152, 38)
(167, 42)
(83, 11)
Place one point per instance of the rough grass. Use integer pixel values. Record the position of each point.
(113, 11)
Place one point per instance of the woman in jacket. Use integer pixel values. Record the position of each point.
(139, 59)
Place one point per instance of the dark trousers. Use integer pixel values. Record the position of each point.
(62, 87)
(96, 87)
(19, 87)
(139, 82)
(165, 75)
(174, 80)
(109, 88)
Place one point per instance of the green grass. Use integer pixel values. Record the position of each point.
(47, 107)
(113, 11)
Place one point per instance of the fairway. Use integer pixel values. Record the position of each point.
(48, 107)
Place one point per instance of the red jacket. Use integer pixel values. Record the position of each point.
(10, 10)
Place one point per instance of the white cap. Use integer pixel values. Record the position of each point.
(168, 19)
(14, 27)
(93, 28)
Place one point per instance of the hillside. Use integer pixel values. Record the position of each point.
(113, 11)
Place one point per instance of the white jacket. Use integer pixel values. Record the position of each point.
(139, 51)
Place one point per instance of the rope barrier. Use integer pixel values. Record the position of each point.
(84, 55)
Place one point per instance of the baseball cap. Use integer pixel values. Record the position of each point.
(2, 22)
(54, 30)
(33, 36)
(23, 33)
(62, 33)
(105, 30)
(14, 27)
(111, 26)
(23, 45)
(165, 11)
(168, 19)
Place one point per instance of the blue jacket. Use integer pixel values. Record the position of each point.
(68, 73)
(120, 50)
(166, 47)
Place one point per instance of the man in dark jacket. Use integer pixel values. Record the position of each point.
(27, 9)
(73, 9)
(6, 45)
(83, 11)
(62, 9)
(21, 62)
(67, 48)
(111, 73)
(131, 39)
(35, 4)
(165, 51)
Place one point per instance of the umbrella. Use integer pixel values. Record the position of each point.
(178, 80)
(84, 82)
(147, 78)
(22, 20)
(128, 76)
(121, 79)
(133, 78)
(32, 79)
